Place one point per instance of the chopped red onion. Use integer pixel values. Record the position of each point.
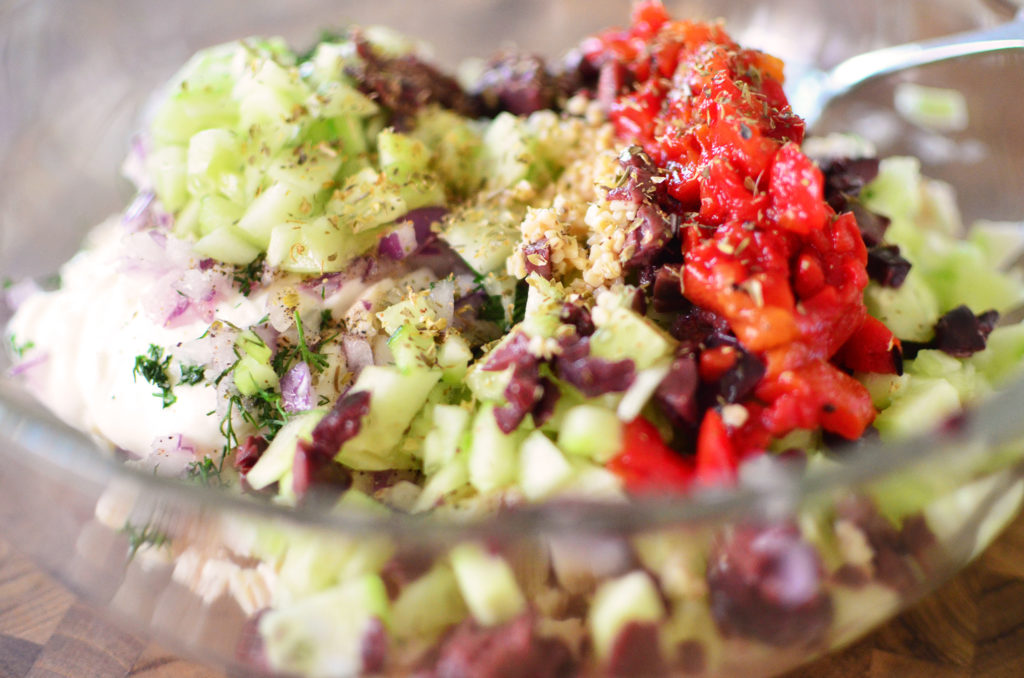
(174, 443)
(358, 353)
(423, 218)
(443, 294)
(35, 359)
(411, 232)
(140, 215)
(297, 388)
(400, 242)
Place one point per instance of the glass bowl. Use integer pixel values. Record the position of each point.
(168, 559)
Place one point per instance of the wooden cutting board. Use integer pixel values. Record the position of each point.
(972, 627)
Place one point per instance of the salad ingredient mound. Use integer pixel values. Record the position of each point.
(349, 279)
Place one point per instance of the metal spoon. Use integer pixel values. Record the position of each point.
(811, 94)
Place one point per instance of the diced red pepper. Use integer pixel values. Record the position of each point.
(646, 464)
(761, 248)
(872, 348)
(716, 458)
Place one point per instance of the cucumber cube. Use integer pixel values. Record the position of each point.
(626, 334)
(428, 606)
(395, 398)
(216, 211)
(453, 356)
(279, 456)
(227, 244)
(322, 635)
(487, 585)
(443, 440)
(591, 431)
(921, 405)
(630, 598)
(252, 376)
(211, 153)
(542, 467)
(401, 156)
(278, 204)
(492, 454)
(167, 167)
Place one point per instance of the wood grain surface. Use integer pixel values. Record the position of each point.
(973, 627)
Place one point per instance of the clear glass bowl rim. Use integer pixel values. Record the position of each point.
(57, 448)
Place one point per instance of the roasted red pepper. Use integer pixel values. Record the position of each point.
(760, 246)
(646, 465)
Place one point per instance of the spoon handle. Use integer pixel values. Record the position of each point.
(858, 69)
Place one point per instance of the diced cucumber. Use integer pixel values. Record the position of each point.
(418, 310)
(401, 156)
(881, 387)
(277, 204)
(510, 154)
(960, 374)
(542, 467)
(1002, 242)
(626, 334)
(186, 112)
(1003, 356)
(323, 635)
(279, 456)
(308, 170)
(412, 349)
(422, 190)
(211, 153)
(366, 201)
(453, 357)
(488, 385)
(227, 244)
(641, 390)
(168, 168)
(963, 276)
(395, 398)
(896, 191)
(314, 562)
(428, 606)
(590, 482)
(937, 108)
(910, 310)
(921, 405)
(456, 143)
(483, 237)
(451, 477)
(216, 211)
(492, 454)
(591, 431)
(329, 60)
(441, 444)
(186, 223)
(487, 584)
(317, 246)
(619, 602)
(252, 376)
(335, 98)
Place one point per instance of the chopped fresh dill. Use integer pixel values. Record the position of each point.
(153, 368)
(192, 374)
(493, 311)
(316, 361)
(248, 277)
(206, 472)
(519, 302)
(286, 355)
(146, 535)
(20, 349)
